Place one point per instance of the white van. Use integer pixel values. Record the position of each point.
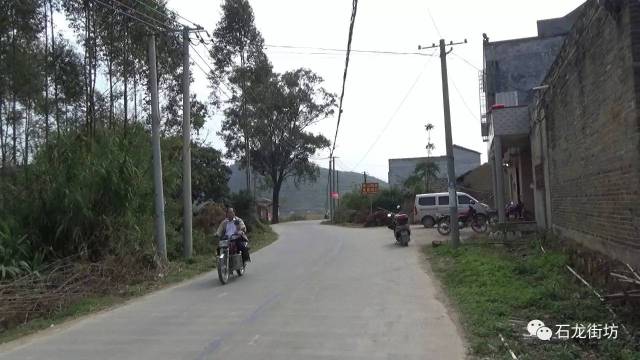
(429, 207)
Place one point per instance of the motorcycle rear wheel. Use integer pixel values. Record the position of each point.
(404, 239)
(444, 226)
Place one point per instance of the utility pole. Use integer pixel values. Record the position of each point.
(368, 195)
(330, 180)
(338, 188)
(187, 211)
(335, 187)
(451, 172)
(157, 160)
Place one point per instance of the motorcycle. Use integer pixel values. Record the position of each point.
(478, 222)
(229, 257)
(399, 223)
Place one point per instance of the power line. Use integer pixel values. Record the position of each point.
(466, 61)
(140, 13)
(473, 115)
(395, 112)
(382, 52)
(200, 56)
(433, 21)
(207, 74)
(129, 15)
(346, 67)
(162, 14)
(210, 68)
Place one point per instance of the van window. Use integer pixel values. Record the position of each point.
(464, 200)
(443, 200)
(427, 201)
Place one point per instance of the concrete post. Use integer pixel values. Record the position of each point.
(499, 173)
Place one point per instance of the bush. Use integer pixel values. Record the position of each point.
(355, 207)
(94, 197)
(17, 256)
(244, 206)
(388, 199)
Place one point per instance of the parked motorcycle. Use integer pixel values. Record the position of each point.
(399, 223)
(229, 257)
(478, 222)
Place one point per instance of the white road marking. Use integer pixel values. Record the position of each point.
(223, 294)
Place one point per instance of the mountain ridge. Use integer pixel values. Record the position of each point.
(307, 197)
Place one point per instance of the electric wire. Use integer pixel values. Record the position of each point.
(346, 67)
(393, 115)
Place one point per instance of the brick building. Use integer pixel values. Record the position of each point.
(585, 133)
(513, 69)
(565, 135)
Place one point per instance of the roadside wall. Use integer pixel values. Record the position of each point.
(586, 133)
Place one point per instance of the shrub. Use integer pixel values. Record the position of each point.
(94, 196)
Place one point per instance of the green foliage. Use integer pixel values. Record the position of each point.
(492, 286)
(355, 207)
(209, 174)
(388, 199)
(17, 256)
(94, 197)
(244, 206)
(422, 179)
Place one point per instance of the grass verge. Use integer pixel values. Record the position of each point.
(179, 270)
(498, 290)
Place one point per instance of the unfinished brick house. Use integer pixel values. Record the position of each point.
(580, 158)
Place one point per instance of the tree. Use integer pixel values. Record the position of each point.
(237, 50)
(422, 178)
(210, 175)
(283, 107)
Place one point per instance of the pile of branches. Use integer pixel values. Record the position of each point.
(65, 282)
(630, 286)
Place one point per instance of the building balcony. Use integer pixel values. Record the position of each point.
(508, 121)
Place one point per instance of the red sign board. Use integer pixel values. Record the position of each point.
(335, 195)
(369, 188)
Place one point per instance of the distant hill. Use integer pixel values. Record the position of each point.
(308, 197)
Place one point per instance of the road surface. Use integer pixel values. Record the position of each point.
(320, 292)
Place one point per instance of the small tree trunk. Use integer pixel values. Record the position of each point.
(46, 77)
(275, 218)
(110, 66)
(54, 63)
(27, 120)
(125, 73)
(2, 144)
(135, 94)
(14, 125)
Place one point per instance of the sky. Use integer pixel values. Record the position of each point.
(388, 98)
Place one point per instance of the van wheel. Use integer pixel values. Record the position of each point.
(428, 222)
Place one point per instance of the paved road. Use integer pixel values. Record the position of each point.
(320, 292)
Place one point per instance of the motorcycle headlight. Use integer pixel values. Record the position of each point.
(388, 215)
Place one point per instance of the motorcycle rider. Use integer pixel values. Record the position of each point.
(233, 225)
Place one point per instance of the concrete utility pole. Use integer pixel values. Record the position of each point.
(330, 180)
(161, 238)
(451, 172)
(187, 211)
(335, 187)
(338, 188)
